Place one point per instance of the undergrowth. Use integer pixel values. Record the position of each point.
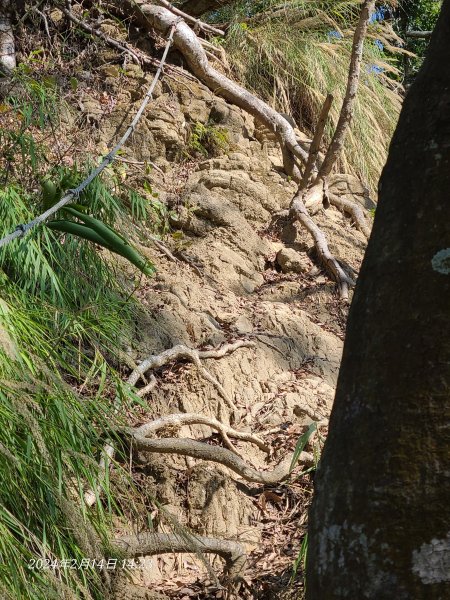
(65, 314)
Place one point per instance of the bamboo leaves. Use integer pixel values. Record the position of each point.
(98, 232)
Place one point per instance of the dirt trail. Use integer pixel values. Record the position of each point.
(234, 287)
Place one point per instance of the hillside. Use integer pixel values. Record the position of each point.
(201, 191)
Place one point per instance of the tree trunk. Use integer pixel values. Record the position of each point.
(379, 522)
(7, 48)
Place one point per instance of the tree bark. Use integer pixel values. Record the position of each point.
(379, 522)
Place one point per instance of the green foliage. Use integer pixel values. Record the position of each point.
(300, 560)
(208, 140)
(65, 316)
(416, 15)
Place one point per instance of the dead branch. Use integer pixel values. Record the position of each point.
(354, 210)
(181, 419)
(418, 34)
(150, 544)
(317, 140)
(199, 24)
(348, 104)
(121, 46)
(299, 213)
(194, 449)
(124, 47)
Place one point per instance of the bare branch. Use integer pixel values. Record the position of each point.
(418, 34)
(350, 94)
(317, 140)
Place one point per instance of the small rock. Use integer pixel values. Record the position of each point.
(291, 261)
(243, 325)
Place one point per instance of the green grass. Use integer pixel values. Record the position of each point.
(65, 314)
(285, 52)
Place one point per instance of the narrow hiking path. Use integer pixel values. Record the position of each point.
(234, 280)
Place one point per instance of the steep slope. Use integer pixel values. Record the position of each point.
(229, 285)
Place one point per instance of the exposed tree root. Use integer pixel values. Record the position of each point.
(149, 544)
(159, 360)
(187, 42)
(181, 419)
(188, 447)
(299, 213)
(354, 210)
(317, 140)
(184, 352)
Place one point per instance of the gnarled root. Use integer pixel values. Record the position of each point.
(149, 544)
(178, 420)
(299, 213)
(194, 449)
(159, 360)
(354, 210)
(184, 352)
(187, 42)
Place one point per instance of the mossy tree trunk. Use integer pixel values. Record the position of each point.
(379, 522)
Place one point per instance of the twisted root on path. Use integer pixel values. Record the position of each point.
(149, 544)
(194, 449)
(153, 362)
(184, 352)
(178, 420)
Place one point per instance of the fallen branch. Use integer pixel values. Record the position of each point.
(150, 544)
(299, 213)
(354, 210)
(194, 449)
(178, 420)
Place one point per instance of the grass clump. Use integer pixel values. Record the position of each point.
(208, 140)
(294, 53)
(66, 313)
